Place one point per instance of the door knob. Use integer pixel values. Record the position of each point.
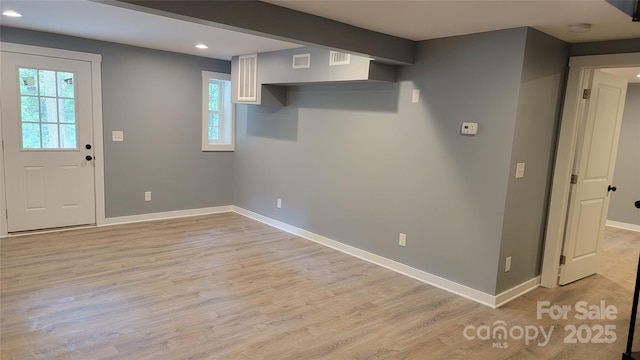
(89, 157)
(612, 188)
(88, 146)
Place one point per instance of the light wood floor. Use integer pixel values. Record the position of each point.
(226, 287)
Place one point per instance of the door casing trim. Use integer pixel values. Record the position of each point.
(95, 61)
(579, 67)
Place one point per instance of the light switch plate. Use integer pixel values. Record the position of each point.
(117, 135)
(402, 239)
(415, 96)
(469, 128)
(519, 170)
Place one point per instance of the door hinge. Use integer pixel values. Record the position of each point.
(586, 94)
(574, 179)
(6, 214)
(563, 259)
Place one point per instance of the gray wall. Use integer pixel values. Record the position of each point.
(155, 98)
(357, 163)
(605, 47)
(539, 104)
(361, 163)
(627, 172)
(625, 6)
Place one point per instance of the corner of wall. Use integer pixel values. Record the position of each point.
(544, 67)
(3, 197)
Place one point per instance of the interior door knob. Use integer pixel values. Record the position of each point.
(612, 188)
(89, 157)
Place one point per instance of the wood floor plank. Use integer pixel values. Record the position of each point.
(227, 287)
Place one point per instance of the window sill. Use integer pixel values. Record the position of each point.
(219, 148)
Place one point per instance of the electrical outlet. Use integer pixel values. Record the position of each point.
(507, 264)
(147, 196)
(402, 239)
(469, 128)
(279, 203)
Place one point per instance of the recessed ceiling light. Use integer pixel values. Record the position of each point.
(202, 46)
(638, 75)
(580, 28)
(11, 13)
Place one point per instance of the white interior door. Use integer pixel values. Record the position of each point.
(596, 154)
(48, 136)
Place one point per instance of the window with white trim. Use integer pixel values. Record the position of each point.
(217, 112)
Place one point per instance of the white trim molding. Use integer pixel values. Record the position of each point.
(579, 69)
(165, 215)
(624, 226)
(517, 291)
(493, 301)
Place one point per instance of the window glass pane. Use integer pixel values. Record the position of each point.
(67, 110)
(48, 110)
(65, 85)
(214, 127)
(47, 81)
(214, 96)
(29, 108)
(217, 119)
(28, 81)
(30, 136)
(48, 99)
(68, 137)
(50, 136)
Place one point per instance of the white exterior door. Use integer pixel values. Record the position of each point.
(594, 165)
(48, 141)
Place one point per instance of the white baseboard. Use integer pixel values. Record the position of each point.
(420, 275)
(165, 215)
(625, 226)
(138, 218)
(517, 291)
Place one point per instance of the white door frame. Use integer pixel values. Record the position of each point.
(96, 97)
(567, 140)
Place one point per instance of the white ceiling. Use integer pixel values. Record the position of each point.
(630, 73)
(416, 20)
(98, 21)
(431, 19)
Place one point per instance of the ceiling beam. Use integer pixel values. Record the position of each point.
(272, 21)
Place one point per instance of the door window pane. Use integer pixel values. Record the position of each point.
(67, 110)
(65, 85)
(31, 136)
(68, 137)
(29, 108)
(50, 136)
(47, 80)
(28, 81)
(48, 109)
